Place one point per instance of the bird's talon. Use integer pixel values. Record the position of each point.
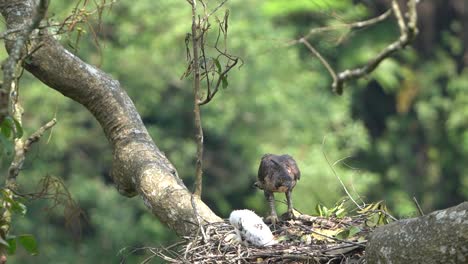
(290, 215)
(272, 220)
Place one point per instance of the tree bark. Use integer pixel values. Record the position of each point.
(139, 167)
(439, 237)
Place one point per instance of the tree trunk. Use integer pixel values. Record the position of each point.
(439, 237)
(139, 167)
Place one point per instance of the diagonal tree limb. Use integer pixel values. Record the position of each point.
(139, 167)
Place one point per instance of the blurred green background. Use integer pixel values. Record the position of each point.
(401, 132)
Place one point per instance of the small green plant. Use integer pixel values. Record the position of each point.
(377, 214)
(12, 205)
(339, 210)
(355, 219)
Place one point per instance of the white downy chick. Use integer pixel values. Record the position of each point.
(251, 229)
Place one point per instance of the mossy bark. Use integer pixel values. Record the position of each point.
(439, 237)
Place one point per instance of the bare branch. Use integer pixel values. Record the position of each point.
(22, 148)
(421, 212)
(408, 32)
(399, 17)
(196, 95)
(349, 26)
(321, 59)
(216, 8)
(5, 34)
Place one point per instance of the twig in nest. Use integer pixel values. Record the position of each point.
(336, 175)
(221, 247)
(417, 206)
(197, 216)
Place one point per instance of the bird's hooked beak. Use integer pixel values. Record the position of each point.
(258, 185)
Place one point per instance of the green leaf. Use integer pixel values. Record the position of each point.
(29, 243)
(372, 220)
(318, 209)
(350, 232)
(224, 81)
(18, 208)
(11, 245)
(340, 213)
(370, 207)
(354, 230)
(14, 203)
(7, 126)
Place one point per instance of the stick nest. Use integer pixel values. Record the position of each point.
(307, 239)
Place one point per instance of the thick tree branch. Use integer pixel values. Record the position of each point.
(139, 167)
(10, 66)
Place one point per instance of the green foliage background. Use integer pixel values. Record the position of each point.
(401, 132)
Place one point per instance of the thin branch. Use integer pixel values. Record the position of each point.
(399, 17)
(408, 32)
(338, 177)
(196, 94)
(206, 70)
(22, 148)
(223, 75)
(321, 59)
(231, 61)
(418, 206)
(198, 217)
(216, 8)
(350, 26)
(5, 34)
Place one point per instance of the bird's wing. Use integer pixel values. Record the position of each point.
(264, 168)
(291, 167)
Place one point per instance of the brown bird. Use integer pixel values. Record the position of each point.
(277, 173)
